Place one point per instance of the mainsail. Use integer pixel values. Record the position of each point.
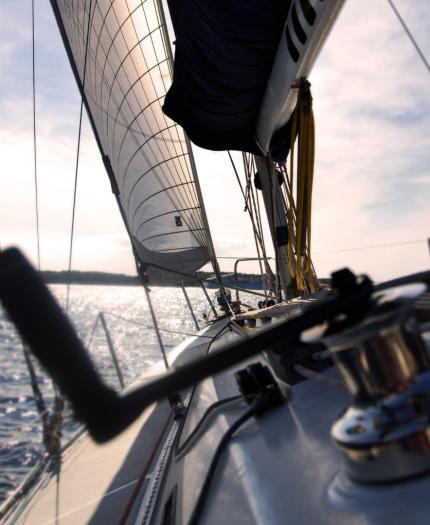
(224, 55)
(238, 66)
(121, 62)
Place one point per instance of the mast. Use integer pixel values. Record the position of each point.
(277, 219)
(258, 115)
(210, 245)
(286, 114)
(307, 28)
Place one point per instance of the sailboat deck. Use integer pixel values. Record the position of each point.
(95, 481)
(281, 468)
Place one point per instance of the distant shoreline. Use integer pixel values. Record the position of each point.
(251, 281)
(244, 280)
(77, 277)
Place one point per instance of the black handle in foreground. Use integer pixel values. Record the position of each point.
(50, 335)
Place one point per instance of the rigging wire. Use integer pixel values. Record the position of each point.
(201, 279)
(372, 246)
(51, 421)
(40, 402)
(267, 275)
(77, 162)
(260, 226)
(34, 134)
(253, 210)
(409, 34)
(161, 329)
(258, 236)
(387, 245)
(237, 175)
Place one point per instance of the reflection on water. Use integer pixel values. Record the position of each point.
(135, 343)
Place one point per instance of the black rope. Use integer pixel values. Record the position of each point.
(197, 511)
(34, 134)
(77, 163)
(180, 450)
(278, 288)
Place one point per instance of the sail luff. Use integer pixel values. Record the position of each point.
(146, 155)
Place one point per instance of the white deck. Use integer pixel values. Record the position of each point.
(279, 469)
(95, 481)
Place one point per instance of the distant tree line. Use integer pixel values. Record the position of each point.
(76, 277)
(244, 280)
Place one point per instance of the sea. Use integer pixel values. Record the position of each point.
(131, 329)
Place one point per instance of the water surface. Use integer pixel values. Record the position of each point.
(130, 325)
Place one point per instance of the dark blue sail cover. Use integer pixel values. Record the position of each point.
(223, 58)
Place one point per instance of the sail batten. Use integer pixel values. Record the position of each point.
(122, 67)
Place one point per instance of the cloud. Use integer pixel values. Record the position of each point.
(372, 109)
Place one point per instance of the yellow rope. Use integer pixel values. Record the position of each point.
(303, 126)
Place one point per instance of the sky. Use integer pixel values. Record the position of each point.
(372, 173)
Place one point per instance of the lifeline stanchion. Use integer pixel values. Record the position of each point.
(209, 300)
(145, 280)
(196, 323)
(112, 350)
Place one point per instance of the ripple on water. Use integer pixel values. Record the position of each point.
(136, 345)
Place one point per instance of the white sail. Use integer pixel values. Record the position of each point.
(121, 63)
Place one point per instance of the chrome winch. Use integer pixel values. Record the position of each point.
(384, 434)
